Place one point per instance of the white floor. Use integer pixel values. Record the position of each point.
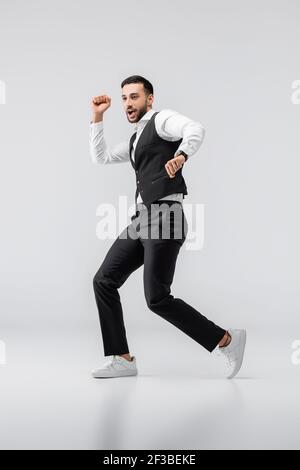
(179, 400)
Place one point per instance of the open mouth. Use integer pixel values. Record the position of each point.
(131, 113)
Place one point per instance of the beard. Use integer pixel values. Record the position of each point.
(139, 114)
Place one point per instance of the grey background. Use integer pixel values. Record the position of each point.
(229, 65)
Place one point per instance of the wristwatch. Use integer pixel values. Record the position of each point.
(184, 154)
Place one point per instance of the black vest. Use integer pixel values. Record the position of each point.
(151, 154)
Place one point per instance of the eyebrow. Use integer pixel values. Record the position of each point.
(136, 93)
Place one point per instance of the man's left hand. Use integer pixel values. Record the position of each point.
(174, 165)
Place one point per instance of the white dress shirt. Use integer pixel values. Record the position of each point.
(169, 124)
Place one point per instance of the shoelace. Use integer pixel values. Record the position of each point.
(109, 362)
(229, 355)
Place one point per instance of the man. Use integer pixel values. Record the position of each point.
(162, 143)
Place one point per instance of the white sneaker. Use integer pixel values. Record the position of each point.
(234, 352)
(117, 366)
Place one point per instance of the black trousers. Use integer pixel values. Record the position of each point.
(153, 239)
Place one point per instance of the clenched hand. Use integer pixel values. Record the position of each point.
(173, 165)
(100, 104)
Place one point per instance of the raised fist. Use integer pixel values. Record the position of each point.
(100, 103)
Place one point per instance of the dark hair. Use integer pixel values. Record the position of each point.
(139, 79)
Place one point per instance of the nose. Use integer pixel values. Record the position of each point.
(128, 103)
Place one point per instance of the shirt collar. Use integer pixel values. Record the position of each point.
(146, 117)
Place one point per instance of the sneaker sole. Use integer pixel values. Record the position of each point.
(243, 339)
(125, 373)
